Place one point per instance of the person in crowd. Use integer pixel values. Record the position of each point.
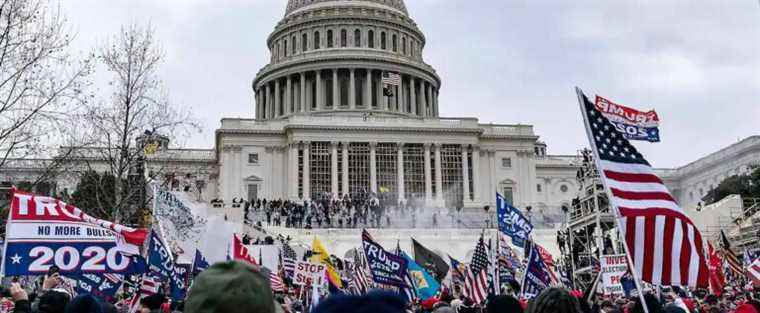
(152, 303)
(500, 304)
(554, 300)
(373, 302)
(231, 287)
(84, 303)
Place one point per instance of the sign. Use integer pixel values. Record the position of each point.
(613, 268)
(307, 273)
(632, 123)
(386, 268)
(512, 222)
(42, 232)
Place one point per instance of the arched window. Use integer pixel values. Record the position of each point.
(285, 47)
(403, 46)
(304, 43)
(316, 40)
(329, 38)
(371, 39)
(383, 44)
(394, 43)
(293, 45)
(343, 38)
(357, 38)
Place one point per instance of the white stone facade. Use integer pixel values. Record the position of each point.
(691, 182)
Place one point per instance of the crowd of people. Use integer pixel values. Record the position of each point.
(235, 287)
(345, 212)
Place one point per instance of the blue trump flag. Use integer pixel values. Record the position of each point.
(199, 264)
(512, 222)
(160, 261)
(103, 286)
(536, 277)
(425, 284)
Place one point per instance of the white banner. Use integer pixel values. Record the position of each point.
(182, 222)
(613, 267)
(309, 272)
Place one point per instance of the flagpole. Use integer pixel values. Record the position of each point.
(594, 150)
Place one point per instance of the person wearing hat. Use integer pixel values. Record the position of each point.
(231, 287)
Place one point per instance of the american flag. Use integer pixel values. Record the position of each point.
(275, 281)
(148, 287)
(476, 277)
(729, 256)
(549, 261)
(289, 257)
(391, 79)
(665, 246)
(753, 272)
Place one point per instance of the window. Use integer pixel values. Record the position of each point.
(508, 195)
(563, 188)
(253, 192)
(329, 38)
(304, 43)
(343, 38)
(371, 39)
(538, 188)
(253, 158)
(412, 49)
(285, 44)
(506, 162)
(316, 40)
(357, 38)
(382, 41)
(403, 46)
(394, 43)
(293, 45)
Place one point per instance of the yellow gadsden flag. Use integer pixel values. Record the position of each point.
(320, 255)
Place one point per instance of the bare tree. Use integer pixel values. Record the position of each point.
(138, 108)
(40, 82)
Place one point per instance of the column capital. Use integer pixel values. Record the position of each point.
(373, 144)
(400, 144)
(345, 143)
(334, 144)
(427, 145)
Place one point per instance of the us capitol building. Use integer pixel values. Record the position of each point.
(327, 124)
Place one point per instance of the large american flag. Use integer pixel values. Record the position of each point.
(390, 78)
(276, 282)
(664, 244)
(476, 277)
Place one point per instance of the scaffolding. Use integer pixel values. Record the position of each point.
(591, 230)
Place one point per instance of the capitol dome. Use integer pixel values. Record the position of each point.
(329, 57)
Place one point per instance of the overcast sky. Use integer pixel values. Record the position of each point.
(503, 61)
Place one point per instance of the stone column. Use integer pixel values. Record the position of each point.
(373, 167)
(352, 89)
(277, 100)
(476, 173)
(382, 103)
(465, 175)
(412, 96)
(402, 99)
(345, 168)
(429, 100)
(435, 103)
(400, 171)
(269, 103)
(334, 167)
(293, 171)
(320, 92)
(438, 176)
(368, 90)
(428, 173)
(258, 104)
(303, 92)
(336, 90)
(306, 171)
(289, 96)
(422, 100)
(492, 184)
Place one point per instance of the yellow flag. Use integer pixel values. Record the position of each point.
(320, 255)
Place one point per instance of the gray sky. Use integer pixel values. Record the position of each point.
(504, 61)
